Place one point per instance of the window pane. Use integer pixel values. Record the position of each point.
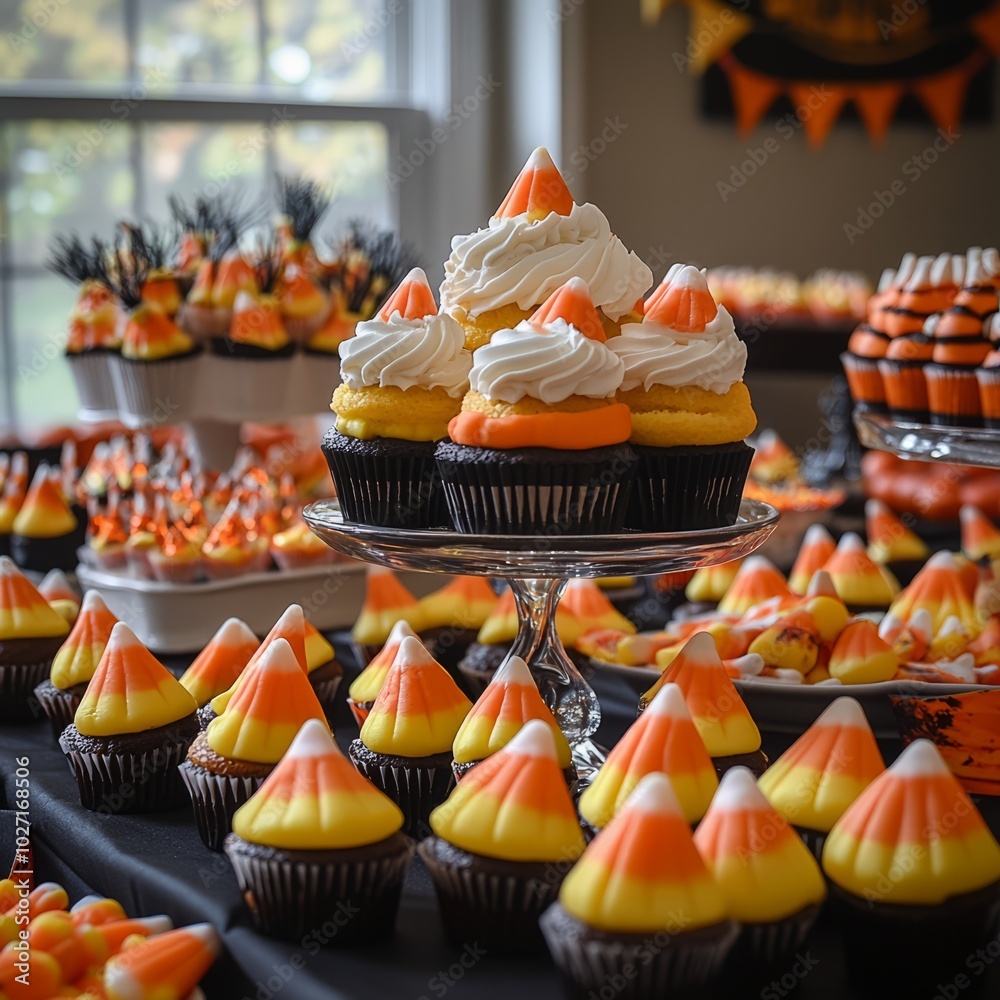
(44, 395)
(350, 158)
(189, 159)
(66, 176)
(63, 40)
(333, 49)
(191, 42)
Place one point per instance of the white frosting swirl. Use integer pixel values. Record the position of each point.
(427, 352)
(659, 355)
(551, 365)
(514, 260)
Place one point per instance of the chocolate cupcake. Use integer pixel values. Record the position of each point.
(130, 732)
(405, 743)
(494, 878)
(324, 672)
(640, 907)
(228, 762)
(45, 533)
(316, 839)
(75, 663)
(31, 633)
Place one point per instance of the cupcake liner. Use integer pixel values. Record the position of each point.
(688, 488)
(58, 705)
(124, 783)
(386, 482)
(95, 386)
(495, 903)
(249, 388)
(413, 785)
(813, 839)
(634, 966)
(988, 380)
(215, 799)
(905, 389)
(284, 559)
(17, 690)
(204, 322)
(39, 555)
(317, 375)
(301, 328)
(953, 396)
(326, 692)
(168, 571)
(769, 944)
(864, 382)
(534, 490)
(151, 393)
(290, 897)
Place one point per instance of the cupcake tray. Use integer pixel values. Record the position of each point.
(929, 442)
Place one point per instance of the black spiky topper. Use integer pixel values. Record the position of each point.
(302, 203)
(267, 263)
(369, 263)
(70, 258)
(125, 266)
(157, 242)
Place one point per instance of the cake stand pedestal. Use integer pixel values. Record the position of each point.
(537, 568)
(929, 442)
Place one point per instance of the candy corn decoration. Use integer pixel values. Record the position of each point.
(773, 461)
(266, 710)
(215, 669)
(817, 547)
(664, 739)
(24, 613)
(465, 602)
(861, 656)
(915, 821)
(315, 799)
(501, 625)
(759, 863)
(365, 687)
(515, 805)
(889, 540)
(510, 701)
(980, 536)
(939, 590)
(420, 708)
(412, 299)
(642, 873)
(61, 594)
(319, 649)
(682, 302)
(44, 512)
(757, 581)
(165, 967)
(386, 602)
(859, 581)
(719, 715)
(814, 781)
(78, 657)
(709, 584)
(587, 602)
(537, 190)
(570, 303)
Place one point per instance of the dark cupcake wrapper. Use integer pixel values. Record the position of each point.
(757, 762)
(536, 490)
(291, 896)
(813, 839)
(688, 489)
(495, 903)
(386, 482)
(634, 966)
(128, 783)
(479, 664)
(39, 555)
(59, 705)
(768, 944)
(415, 785)
(215, 799)
(18, 681)
(326, 692)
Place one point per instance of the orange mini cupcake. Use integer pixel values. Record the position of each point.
(988, 380)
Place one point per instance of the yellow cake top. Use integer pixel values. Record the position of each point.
(24, 613)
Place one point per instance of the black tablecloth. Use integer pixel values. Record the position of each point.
(157, 864)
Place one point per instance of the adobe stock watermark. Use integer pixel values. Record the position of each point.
(439, 985)
(912, 169)
(372, 29)
(424, 148)
(586, 153)
(898, 16)
(709, 30)
(36, 18)
(785, 127)
(789, 981)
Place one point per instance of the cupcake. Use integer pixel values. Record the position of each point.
(75, 663)
(106, 536)
(914, 874)
(861, 656)
(722, 720)
(404, 374)
(227, 552)
(130, 733)
(365, 687)
(296, 547)
(663, 739)
(511, 700)
(207, 311)
(322, 668)
(817, 547)
(316, 839)
(772, 885)
(757, 582)
(861, 584)
(541, 444)
(161, 287)
(61, 594)
(45, 533)
(176, 558)
(538, 239)
(980, 536)
(229, 761)
(451, 617)
(95, 325)
(892, 544)
(815, 780)
(501, 843)
(988, 380)
(405, 743)
(640, 909)
(904, 379)
(386, 602)
(683, 384)
(216, 668)
(31, 632)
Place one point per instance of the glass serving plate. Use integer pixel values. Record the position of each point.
(928, 442)
(537, 568)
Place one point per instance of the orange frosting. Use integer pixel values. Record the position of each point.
(915, 348)
(899, 322)
(567, 431)
(538, 190)
(867, 343)
(412, 299)
(571, 302)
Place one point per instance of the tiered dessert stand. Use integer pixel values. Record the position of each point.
(929, 442)
(537, 568)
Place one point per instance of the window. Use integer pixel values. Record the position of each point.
(109, 106)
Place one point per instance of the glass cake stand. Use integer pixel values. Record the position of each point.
(929, 442)
(537, 568)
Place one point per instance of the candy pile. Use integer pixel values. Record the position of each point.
(776, 478)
